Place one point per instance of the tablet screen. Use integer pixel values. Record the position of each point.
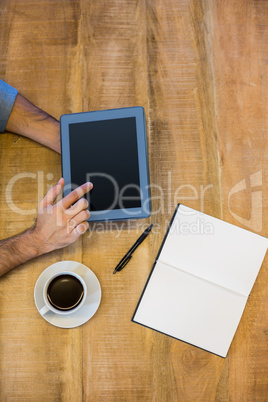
(105, 153)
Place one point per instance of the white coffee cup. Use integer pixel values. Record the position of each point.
(49, 307)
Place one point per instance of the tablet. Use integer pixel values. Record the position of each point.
(108, 148)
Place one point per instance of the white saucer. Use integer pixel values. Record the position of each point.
(90, 305)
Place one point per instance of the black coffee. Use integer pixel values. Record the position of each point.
(65, 292)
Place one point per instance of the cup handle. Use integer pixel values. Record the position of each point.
(44, 310)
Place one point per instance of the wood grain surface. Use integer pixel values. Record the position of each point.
(199, 68)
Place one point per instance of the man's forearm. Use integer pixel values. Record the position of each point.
(17, 250)
(28, 120)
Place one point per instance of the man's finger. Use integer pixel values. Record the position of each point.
(52, 194)
(81, 228)
(77, 207)
(76, 194)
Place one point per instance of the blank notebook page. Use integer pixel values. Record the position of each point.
(190, 309)
(214, 250)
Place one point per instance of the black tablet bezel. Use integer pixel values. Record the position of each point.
(144, 211)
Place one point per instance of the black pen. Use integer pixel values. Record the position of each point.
(128, 255)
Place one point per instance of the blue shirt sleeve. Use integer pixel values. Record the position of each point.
(8, 96)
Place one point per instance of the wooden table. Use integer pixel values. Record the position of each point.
(199, 68)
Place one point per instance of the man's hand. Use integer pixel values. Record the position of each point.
(57, 225)
(61, 224)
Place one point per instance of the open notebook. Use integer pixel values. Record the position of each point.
(201, 280)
